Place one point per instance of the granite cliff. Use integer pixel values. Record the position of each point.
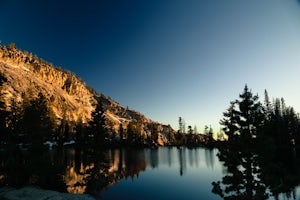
(22, 73)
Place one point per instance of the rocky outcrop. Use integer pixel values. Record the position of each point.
(23, 74)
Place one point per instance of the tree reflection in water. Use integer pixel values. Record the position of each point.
(78, 170)
(82, 170)
(272, 173)
(19, 168)
(243, 179)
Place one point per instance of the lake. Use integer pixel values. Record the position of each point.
(162, 173)
(166, 173)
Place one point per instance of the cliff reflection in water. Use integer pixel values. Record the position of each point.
(101, 170)
(116, 164)
(77, 170)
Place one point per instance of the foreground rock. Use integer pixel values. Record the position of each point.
(32, 193)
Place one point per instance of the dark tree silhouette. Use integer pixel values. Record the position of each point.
(97, 125)
(3, 123)
(268, 109)
(278, 146)
(241, 126)
(121, 134)
(180, 122)
(261, 150)
(63, 131)
(37, 121)
(190, 130)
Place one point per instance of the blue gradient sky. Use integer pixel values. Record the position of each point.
(166, 58)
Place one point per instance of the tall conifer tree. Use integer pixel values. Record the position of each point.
(97, 125)
(242, 121)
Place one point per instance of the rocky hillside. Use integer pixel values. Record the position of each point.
(22, 73)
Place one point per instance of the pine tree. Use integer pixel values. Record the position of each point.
(79, 134)
(190, 130)
(180, 122)
(260, 151)
(210, 134)
(37, 121)
(283, 107)
(242, 122)
(97, 125)
(183, 126)
(63, 131)
(267, 107)
(251, 114)
(230, 121)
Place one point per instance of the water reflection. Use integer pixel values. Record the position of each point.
(116, 164)
(267, 175)
(209, 158)
(75, 179)
(102, 170)
(182, 161)
(77, 170)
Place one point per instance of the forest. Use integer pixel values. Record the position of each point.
(261, 154)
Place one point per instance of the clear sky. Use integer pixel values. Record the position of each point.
(166, 58)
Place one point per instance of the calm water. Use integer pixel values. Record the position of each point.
(167, 173)
(163, 173)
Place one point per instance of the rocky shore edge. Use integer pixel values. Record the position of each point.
(35, 193)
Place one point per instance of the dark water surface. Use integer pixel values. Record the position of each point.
(163, 173)
(167, 173)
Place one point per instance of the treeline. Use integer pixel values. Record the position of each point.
(32, 113)
(260, 153)
(191, 137)
(31, 124)
(133, 133)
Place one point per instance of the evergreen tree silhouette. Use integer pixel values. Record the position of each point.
(37, 121)
(3, 123)
(242, 121)
(97, 125)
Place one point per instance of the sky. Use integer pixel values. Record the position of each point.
(166, 58)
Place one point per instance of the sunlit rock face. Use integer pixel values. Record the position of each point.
(28, 75)
(23, 74)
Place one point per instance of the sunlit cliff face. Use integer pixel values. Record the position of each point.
(76, 180)
(68, 96)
